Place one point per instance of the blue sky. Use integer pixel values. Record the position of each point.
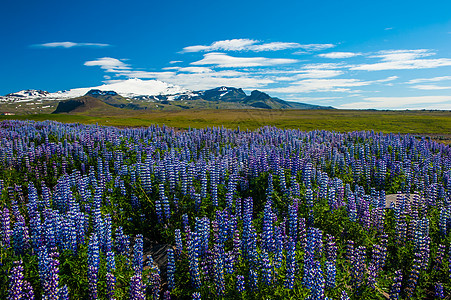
(348, 54)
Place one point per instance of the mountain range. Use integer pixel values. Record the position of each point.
(140, 95)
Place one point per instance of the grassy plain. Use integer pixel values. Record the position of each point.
(434, 123)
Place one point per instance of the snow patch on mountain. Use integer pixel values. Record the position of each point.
(127, 88)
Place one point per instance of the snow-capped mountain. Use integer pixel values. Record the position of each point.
(29, 94)
(130, 88)
(139, 94)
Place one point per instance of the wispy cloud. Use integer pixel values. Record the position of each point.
(70, 45)
(316, 47)
(419, 102)
(326, 85)
(223, 60)
(339, 54)
(226, 45)
(206, 80)
(109, 64)
(430, 87)
(403, 60)
(319, 85)
(253, 45)
(433, 79)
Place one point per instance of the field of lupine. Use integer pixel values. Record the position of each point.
(264, 214)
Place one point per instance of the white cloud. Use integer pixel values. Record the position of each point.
(327, 66)
(275, 46)
(195, 70)
(326, 85)
(391, 78)
(199, 78)
(108, 63)
(403, 60)
(296, 74)
(316, 47)
(303, 74)
(171, 68)
(401, 55)
(223, 60)
(319, 85)
(227, 45)
(430, 87)
(175, 62)
(301, 52)
(419, 102)
(339, 54)
(70, 45)
(311, 99)
(253, 45)
(388, 28)
(433, 79)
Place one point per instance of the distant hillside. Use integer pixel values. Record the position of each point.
(82, 104)
(217, 98)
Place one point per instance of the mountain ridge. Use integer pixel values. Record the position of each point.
(155, 95)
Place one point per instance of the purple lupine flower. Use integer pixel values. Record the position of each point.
(122, 242)
(413, 277)
(218, 270)
(63, 293)
(229, 263)
(110, 285)
(20, 236)
(236, 244)
(358, 266)
(107, 242)
(28, 291)
(197, 201)
(331, 273)
(240, 284)
(136, 287)
(396, 286)
(138, 254)
(344, 296)
(372, 275)
(268, 231)
(167, 295)
(317, 285)
(155, 284)
(159, 210)
(293, 221)
(43, 264)
(266, 268)
(185, 222)
(51, 283)
(439, 257)
(171, 269)
(196, 296)
(5, 228)
(439, 290)
(253, 279)
(110, 261)
(193, 254)
(93, 265)
(290, 265)
(178, 243)
(19, 288)
(331, 248)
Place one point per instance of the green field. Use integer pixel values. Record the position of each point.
(434, 123)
